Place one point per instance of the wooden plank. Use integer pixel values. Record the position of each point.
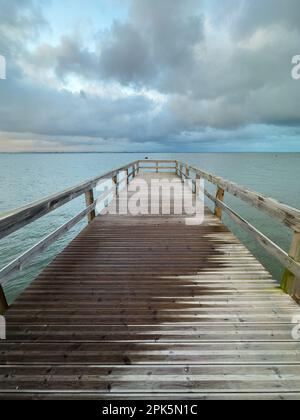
(116, 379)
(225, 332)
(150, 396)
(163, 354)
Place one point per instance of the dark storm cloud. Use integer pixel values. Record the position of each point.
(125, 56)
(158, 41)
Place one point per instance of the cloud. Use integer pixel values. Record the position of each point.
(173, 74)
(257, 14)
(160, 36)
(68, 58)
(20, 20)
(125, 56)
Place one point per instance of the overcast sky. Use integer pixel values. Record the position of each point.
(149, 75)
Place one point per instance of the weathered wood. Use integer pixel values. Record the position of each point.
(291, 282)
(154, 161)
(285, 214)
(3, 301)
(220, 197)
(116, 184)
(150, 396)
(225, 332)
(187, 171)
(15, 220)
(181, 172)
(89, 199)
(25, 258)
(104, 380)
(265, 242)
(197, 185)
(159, 168)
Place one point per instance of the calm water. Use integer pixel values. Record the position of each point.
(29, 177)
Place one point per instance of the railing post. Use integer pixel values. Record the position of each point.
(157, 167)
(89, 199)
(115, 181)
(181, 171)
(127, 176)
(197, 185)
(187, 170)
(176, 168)
(3, 302)
(133, 170)
(138, 167)
(290, 283)
(219, 196)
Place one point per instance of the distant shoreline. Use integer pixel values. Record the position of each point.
(149, 153)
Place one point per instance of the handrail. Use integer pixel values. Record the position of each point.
(285, 214)
(265, 242)
(27, 256)
(282, 212)
(17, 219)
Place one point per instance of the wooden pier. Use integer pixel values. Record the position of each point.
(153, 306)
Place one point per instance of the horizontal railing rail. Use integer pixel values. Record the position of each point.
(290, 217)
(283, 213)
(17, 219)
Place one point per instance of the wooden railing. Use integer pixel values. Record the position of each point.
(15, 220)
(287, 215)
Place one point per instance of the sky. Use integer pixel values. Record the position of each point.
(149, 75)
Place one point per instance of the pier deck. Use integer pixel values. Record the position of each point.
(152, 307)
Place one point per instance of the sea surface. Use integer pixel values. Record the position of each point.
(25, 178)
